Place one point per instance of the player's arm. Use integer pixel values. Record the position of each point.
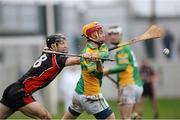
(72, 61)
(104, 53)
(89, 65)
(76, 60)
(96, 65)
(117, 69)
(122, 60)
(93, 65)
(99, 66)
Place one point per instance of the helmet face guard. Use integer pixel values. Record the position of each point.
(92, 28)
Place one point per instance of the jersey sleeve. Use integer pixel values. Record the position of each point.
(61, 60)
(104, 51)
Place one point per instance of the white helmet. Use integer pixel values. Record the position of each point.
(115, 29)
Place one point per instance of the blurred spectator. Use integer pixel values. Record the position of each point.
(150, 48)
(168, 42)
(67, 84)
(148, 75)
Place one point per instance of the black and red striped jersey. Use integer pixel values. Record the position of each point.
(43, 71)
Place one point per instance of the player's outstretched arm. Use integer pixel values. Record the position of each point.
(99, 66)
(76, 60)
(72, 61)
(115, 70)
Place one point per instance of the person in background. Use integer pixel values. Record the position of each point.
(130, 84)
(168, 41)
(148, 76)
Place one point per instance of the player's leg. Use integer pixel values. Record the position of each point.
(155, 108)
(71, 114)
(98, 106)
(125, 104)
(154, 102)
(138, 107)
(111, 117)
(105, 114)
(75, 108)
(15, 97)
(140, 104)
(6, 103)
(35, 110)
(128, 96)
(5, 111)
(126, 110)
(137, 110)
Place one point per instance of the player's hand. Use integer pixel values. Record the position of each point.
(90, 57)
(105, 71)
(87, 56)
(94, 57)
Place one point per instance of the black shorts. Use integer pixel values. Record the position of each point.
(15, 97)
(148, 90)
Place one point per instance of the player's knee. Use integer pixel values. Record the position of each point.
(111, 117)
(45, 115)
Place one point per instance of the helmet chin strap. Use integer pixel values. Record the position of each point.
(94, 40)
(55, 47)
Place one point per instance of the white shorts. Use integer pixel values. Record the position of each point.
(90, 104)
(129, 94)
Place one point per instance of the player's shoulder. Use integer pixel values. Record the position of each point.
(84, 49)
(46, 54)
(127, 47)
(88, 49)
(51, 56)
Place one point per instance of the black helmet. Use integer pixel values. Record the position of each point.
(54, 38)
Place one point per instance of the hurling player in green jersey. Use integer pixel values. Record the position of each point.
(87, 96)
(130, 84)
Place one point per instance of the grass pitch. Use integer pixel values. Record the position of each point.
(169, 109)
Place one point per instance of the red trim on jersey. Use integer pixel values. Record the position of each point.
(56, 62)
(28, 99)
(33, 83)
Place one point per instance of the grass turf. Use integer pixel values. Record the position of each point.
(169, 109)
